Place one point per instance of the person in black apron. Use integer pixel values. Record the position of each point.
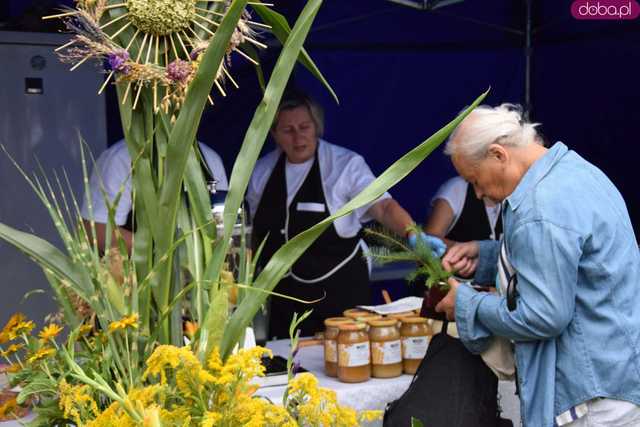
(333, 269)
(470, 222)
(111, 171)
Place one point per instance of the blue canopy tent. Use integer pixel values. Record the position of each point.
(401, 73)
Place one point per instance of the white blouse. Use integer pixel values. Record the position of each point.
(114, 167)
(345, 174)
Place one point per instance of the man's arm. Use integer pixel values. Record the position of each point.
(545, 257)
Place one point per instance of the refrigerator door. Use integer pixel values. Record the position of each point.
(45, 111)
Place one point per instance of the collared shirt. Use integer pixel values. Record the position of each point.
(112, 171)
(576, 325)
(344, 175)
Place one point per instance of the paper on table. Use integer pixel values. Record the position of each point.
(398, 306)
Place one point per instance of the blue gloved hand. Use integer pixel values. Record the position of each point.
(437, 246)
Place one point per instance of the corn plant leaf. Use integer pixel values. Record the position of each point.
(49, 257)
(281, 30)
(284, 257)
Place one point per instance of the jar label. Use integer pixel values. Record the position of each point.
(331, 351)
(386, 353)
(350, 355)
(414, 347)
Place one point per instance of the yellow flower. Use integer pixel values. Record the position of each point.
(42, 353)
(85, 329)
(125, 322)
(9, 407)
(50, 331)
(76, 402)
(10, 350)
(211, 419)
(14, 321)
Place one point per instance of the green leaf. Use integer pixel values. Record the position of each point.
(48, 256)
(37, 385)
(284, 257)
(281, 29)
(416, 422)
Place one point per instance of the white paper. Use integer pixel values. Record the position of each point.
(398, 306)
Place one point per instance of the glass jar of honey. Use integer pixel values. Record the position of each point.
(386, 349)
(415, 334)
(331, 344)
(353, 353)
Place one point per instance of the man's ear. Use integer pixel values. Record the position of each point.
(498, 152)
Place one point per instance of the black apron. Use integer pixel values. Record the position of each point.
(333, 267)
(473, 223)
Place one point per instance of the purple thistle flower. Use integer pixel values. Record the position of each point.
(117, 61)
(178, 70)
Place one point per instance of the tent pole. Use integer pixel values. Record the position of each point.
(528, 51)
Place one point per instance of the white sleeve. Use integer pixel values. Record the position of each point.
(110, 174)
(454, 192)
(214, 162)
(357, 176)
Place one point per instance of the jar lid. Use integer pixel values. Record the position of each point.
(353, 312)
(401, 315)
(335, 321)
(382, 322)
(352, 326)
(414, 319)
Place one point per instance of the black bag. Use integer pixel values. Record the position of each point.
(451, 388)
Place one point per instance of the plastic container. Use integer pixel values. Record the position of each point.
(386, 348)
(331, 344)
(415, 334)
(354, 353)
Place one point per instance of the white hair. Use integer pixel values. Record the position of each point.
(501, 125)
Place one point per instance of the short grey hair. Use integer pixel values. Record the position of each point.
(501, 125)
(294, 99)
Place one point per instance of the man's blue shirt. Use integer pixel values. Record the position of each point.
(576, 325)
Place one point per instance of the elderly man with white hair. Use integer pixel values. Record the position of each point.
(568, 270)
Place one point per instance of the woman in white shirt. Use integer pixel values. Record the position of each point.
(292, 188)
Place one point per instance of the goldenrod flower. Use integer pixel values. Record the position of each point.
(11, 349)
(126, 322)
(42, 353)
(50, 331)
(76, 402)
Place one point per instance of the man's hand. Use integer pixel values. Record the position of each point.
(434, 243)
(462, 258)
(448, 304)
